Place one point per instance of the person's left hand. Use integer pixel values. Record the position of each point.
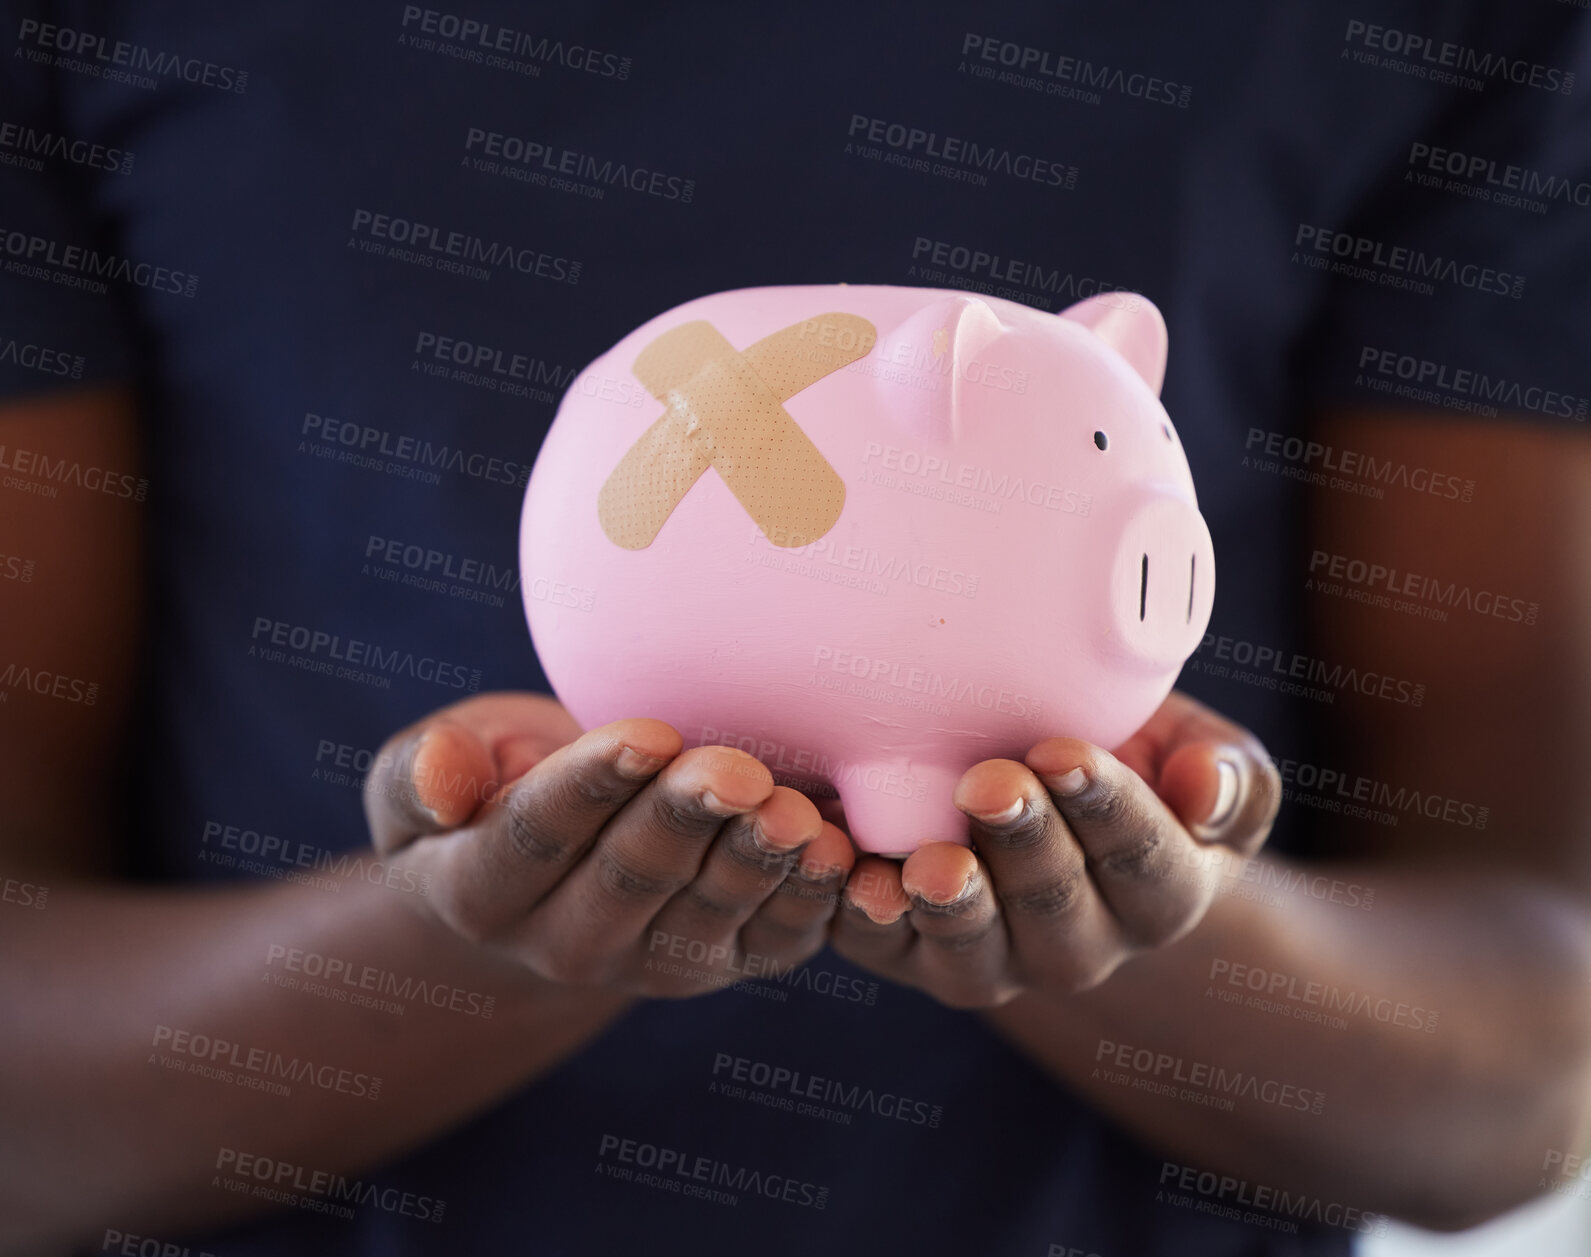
(1081, 858)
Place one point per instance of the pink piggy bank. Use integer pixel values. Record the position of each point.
(871, 535)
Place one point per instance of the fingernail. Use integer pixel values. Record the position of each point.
(1225, 794)
(819, 872)
(1003, 817)
(760, 837)
(631, 763)
(712, 803)
(416, 778)
(1069, 784)
(968, 883)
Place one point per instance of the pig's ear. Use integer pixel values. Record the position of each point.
(1132, 326)
(938, 342)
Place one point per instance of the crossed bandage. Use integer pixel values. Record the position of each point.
(724, 408)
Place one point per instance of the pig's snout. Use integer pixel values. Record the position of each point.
(1162, 582)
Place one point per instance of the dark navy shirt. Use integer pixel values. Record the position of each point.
(351, 256)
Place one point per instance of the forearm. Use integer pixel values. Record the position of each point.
(1501, 962)
(108, 1119)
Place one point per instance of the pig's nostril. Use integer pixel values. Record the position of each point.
(1143, 589)
(1101, 440)
(1193, 560)
(1166, 428)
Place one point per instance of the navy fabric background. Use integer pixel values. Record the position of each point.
(1193, 194)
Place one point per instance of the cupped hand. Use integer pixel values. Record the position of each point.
(1080, 859)
(612, 858)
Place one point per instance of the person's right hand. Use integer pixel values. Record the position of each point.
(609, 858)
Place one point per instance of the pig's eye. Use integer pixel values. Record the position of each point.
(1166, 428)
(1101, 440)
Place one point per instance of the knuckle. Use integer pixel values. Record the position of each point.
(1059, 896)
(704, 902)
(597, 788)
(465, 916)
(620, 879)
(747, 853)
(682, 818)
(573, 967)
(531, 836)
(1029, 830)
(1073, 973)
(968, 935)
(1101, 806)
(1138, 857)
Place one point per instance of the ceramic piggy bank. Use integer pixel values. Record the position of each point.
(871, 535)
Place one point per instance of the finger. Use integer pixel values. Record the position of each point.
(962, 954)
(425, 780)
(791, 924)
(1139, 854)
(437, 773)
(870, 926)
(747, 861)
(1222, 793)
(529, 837)
(1062, 934)
(650, 851)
